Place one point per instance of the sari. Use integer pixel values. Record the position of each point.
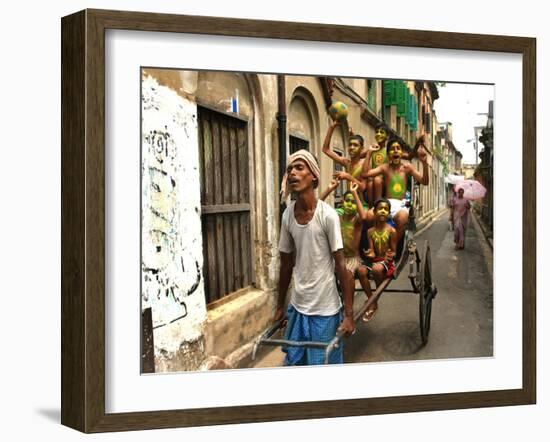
(461, 215)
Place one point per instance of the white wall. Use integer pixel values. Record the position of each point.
(170, 163)
(30, 253)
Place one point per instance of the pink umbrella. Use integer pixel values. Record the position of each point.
(473, 190)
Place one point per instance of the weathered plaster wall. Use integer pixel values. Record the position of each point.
(218, 88)
(266, 173)
(172, 257)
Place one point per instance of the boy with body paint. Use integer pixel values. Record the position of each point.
(377, 156)
(353, 166)
(395, 174)
(382, 246)
(352, 217)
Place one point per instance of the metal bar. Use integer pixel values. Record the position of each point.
(266, 335)
(374, 298)
(331, 346)
(399, 291)
(377, 293)
(284, 342)
(281, 132)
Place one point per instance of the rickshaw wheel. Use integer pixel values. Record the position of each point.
(425, 295)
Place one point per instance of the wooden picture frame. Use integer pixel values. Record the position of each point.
(83, 220)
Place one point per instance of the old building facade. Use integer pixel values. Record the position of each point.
(484, 171)
(213, 150)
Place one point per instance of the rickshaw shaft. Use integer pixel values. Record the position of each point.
(284, 342)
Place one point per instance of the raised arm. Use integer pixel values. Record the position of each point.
(408, 155)
(328, 150)
(423, 178)
(342, 175)
(360, 209)
(368, 160)
(333, 185)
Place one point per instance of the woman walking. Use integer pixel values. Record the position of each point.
(461, 214)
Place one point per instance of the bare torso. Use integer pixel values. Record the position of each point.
(351, 234)
(396, 181)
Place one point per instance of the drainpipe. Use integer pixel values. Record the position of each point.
(281, 131)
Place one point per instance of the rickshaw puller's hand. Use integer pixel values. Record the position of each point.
(280, 314)
(347, 326)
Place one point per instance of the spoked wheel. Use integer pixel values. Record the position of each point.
(427, 292)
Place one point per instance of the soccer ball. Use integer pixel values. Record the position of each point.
(338, 111)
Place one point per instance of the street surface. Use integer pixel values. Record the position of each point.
(462, 311)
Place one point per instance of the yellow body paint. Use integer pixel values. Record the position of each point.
(380, 241)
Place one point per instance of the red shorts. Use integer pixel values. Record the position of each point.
(388, 266)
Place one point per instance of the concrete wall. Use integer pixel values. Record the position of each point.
(172, 259)
(191, 335)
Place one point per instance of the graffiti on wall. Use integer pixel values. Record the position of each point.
(172, 259)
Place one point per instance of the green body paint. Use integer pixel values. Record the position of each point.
(396, 186)
(347, 228)
(378, 158)
(356, 172)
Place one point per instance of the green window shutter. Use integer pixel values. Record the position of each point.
(410, 112)
(400, 98)
(409, 109)
(389, 92)
(415, 116)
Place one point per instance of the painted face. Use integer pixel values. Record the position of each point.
(380, 135)
(349, 205)
(382, 211)
(395, 152)
(354, 148)
(299, 177)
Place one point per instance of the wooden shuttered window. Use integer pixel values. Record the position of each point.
(397, 93)
(401, 98)
(297, 143)
(389, 92)
(225, 203)
(428, 123)
(414, 124)
(412, 112)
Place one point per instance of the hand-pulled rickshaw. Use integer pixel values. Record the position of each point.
(408, 256)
